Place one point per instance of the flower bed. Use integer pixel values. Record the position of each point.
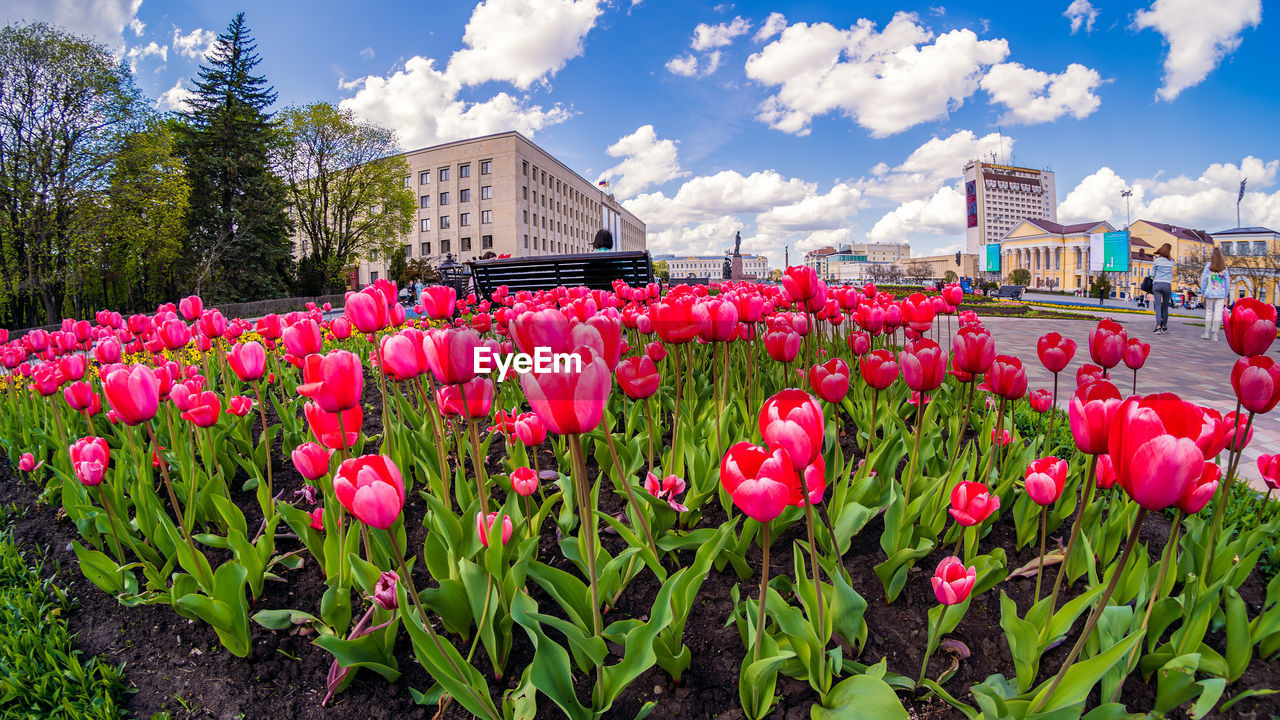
(353, 495)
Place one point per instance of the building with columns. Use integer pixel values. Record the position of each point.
(1253, 255)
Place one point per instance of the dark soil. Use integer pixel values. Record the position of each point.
(179, 666)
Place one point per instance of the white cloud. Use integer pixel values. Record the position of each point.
(1032, 96)
(646, 161)
(1082, 14)
(706, 238)
(1207, 201)
(706, 197)
(940, 214)
(522, 41)
(713, 63)
(686, 65)
(829, 211)
(1199, 35)
(195, 44)
(142, 52)
(931, 165)
(773, 25)
(887, 81)
(422, 105)
(366, 53)
(104, 20)
(137, 26)
(175, 99)
(710, 37)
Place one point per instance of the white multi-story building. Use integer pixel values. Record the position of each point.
(998, 197)
(711, 267)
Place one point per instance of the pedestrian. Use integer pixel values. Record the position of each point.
(1162, 285)
(603, 241)
(1214, 281)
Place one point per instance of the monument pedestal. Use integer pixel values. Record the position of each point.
(735, 273)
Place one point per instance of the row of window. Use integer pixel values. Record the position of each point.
(464, 220)
(424, 249)
(464, 196)
(464, 171)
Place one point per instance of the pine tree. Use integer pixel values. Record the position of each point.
(240, 232)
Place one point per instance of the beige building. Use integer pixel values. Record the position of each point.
(937, 266)
(830, 263)
(711, 266)
(502, 194)
(1253, 255)
(998, 197)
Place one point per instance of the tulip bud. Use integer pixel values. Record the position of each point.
(952, 581)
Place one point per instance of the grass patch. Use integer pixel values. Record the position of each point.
(42, 674)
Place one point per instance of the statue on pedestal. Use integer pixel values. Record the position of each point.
(733, 264)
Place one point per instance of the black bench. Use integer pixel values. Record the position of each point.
(689, 281)
(1013, 292)
(594, 270)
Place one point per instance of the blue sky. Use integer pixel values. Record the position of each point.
(800, 123)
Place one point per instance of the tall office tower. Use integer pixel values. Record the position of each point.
(998, 197)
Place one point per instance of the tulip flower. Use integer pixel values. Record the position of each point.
(1107, 343)
(759, 481)
(1152, 446)
(782, 345)
(334, 381)
(1055, 351)
(545, 328)
(870, 318)
(524, 481)
(301, 339)
(859, 343)
(1041, 400)
(830, 380)
(1201, 490)
(27, 462)
(191, 307)
(133, 393)
(81, 397)
(801, 282)
(203, 409)
(1091, 412)
(1001, 437)
(311, 460)
(1007, 378)
(107, 351)
(1105, 473)
(570, 400)
(973, 350)
(334, 430)
(1088, 373)
(1045, 479)
(248, 361)
(89, 459)
(239, 405)
(1256, 381)
(384, 591)
(638, 377)
(1238, 431)
(924, 365)
(529, 430)
(402, 356)
(1250, 327)
(370, 487)
(666, 488)
(718, 319)
(438, 301)
(656, 351)
(472, 399)
(952, 581)
(972, 503)
(451, 354)
(483, 527)
(792, 421)
(366, 310)
(1268, 467)
(878, 369)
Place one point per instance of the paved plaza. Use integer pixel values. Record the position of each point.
(1198, 370)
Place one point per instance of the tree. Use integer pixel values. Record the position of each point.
(1189, 265)
(346, 185)
(1101, 286)
(949, 276)
(397, 265)
(918, 272)
(421, 270)
(64, 103)
(775, 275)
(1256, 263)
(238, 222)
(661, 271)
(1020, 276)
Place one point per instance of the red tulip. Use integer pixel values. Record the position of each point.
(542, 329)
(782, 345)
(1256, 381)
(1105, 473)
(451, 354)
(973, 350)
(1045, 479)
(334, 381)
(953, 294)
(758, 481)
(270, 327)
(878, 368)
(529, 430)
(830, 380)
(334, 430)
(81, 397)
(524, 481)
(72, 367)
(191, 307)
(870, 318)
(239, 405)
(1107, 342)
(340, 327)
(1250, 327)
(1088, 373)
(792, 421)
(89, 459)
(402, 356)
(1239, 431)
(952, 581)
(638, 377)
(1040, 400)
(1135, 353)
(667, 489)
(248, 361)
(366, 310)
(718, 319)
(311, 460)
(174, 334)
(656, 351)
(107, 351)
(27, 462)
(1214, 434)
(1007, 378)
(133, 393)
(478, 392)
(924, 365)
(1268, 466)
(370, 487)
(972, 503)
(203, 409)
(1055, 351)
(570, 399)
(212, 324)
(1201, 491)
(859, 343)
(1091, 412)
(483, 527)
(438, 301)
(301, 339)
(1152, 446)
(801, 282)
(1001, 437)
(917, 310)
(317, 519)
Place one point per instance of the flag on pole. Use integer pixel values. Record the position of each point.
(605, 183)
(1241, 195)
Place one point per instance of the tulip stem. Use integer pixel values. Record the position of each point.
(266, 439)
(675, 419)
(915, 450)
(964, 424)
(821, 629)
(871, 432)
(1097, 613)
(648, 412)
(1053, 412)
(764, 593)
(1040, 570)
(626, 485)
(1135, 381)
(177, 509)
(111, 522)
(1170, 548)
(1086, 496)
(1238, 441)
(426, 623)
(441, 450)
(935, 630)
(477, 463)
(587, 527)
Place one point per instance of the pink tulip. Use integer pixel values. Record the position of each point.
(90, 457)
(952, 581)
(972, 503)
(638, 377)
(792, 421)
(1256, 381)
(311, 460)
(1268, 466)
(133, 393)
(1135, 353)
(27, 462)
(1045, 479)
(239, 405)
(830, 380)
(483, 528)
(1040, 400)
(667, 489)
(524, 481)
(366, 310)
(570, 400)
(924, 365)
(370, 487)
(1091, 412)
(334, 381)
(438, 301)
(1250, 327)
(759, 482)
(1055, 351)
(248, 361)
(1201, 491)
(1152, 446)
(451, 354)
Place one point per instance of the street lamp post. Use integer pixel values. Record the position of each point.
(1126, 194)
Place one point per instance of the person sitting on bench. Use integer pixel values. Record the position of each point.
(603, 241)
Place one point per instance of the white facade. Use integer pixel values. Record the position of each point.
(998, 197)
(711, 266)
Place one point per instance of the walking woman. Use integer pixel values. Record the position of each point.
(1162, 285)
(1214, 281)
